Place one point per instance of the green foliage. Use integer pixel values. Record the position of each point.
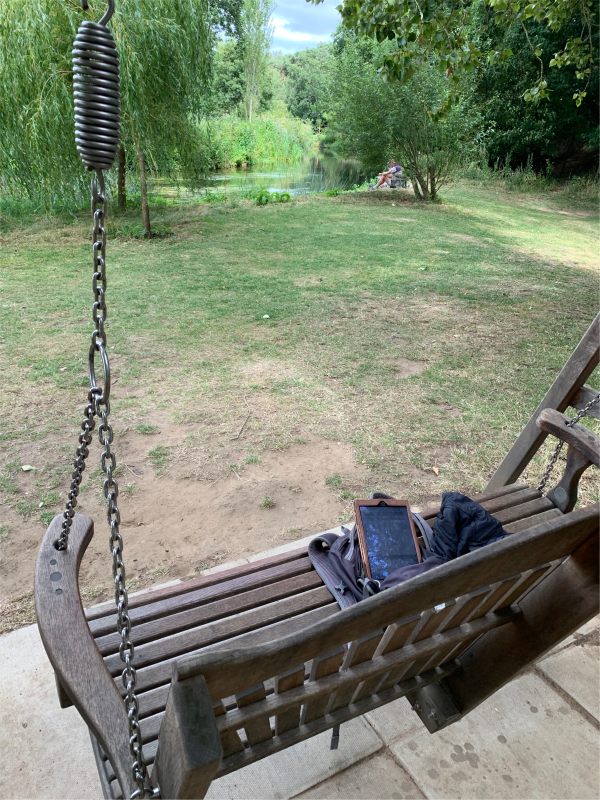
(227, 88)
(410, 122)
(231, 141)
(263, 197)
(146, 428)
(267, 502)
(164, 50)
(308, 76)
(513, 130)
(441, 30)
(256, 34)
(159, 457)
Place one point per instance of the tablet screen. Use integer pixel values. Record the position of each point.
(389, 539)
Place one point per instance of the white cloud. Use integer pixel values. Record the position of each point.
(282, 32)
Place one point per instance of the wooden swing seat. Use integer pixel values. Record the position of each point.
(234, 666)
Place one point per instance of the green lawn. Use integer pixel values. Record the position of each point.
(421, 335)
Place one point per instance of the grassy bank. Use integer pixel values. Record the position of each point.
(422, 337)
(231, 141)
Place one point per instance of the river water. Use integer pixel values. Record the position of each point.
(315, 174)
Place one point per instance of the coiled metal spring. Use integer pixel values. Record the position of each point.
(96, 95)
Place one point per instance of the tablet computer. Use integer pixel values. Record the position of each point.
(386, 535)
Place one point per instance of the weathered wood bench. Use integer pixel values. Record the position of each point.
(234, 666)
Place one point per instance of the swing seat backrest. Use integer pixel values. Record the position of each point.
(273, 689)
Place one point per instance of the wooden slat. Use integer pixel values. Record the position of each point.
(196, 638)
(230, 740)
(395, 636)
(161, 672)
(359, 652)
(518, 498)
(436, 621)
(495, 562)
(319, 725)
(155, 609)
(523, 510)
(522, 524)
(311, 692)
(209, 612)
(322, 666)
(259, 729)
(430, 511)
(522, 587)
(220, 577)
(289, 719)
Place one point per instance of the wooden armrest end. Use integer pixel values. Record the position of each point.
(189, 746)
(579, 437)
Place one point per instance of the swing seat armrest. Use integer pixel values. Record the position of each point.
(582, 439)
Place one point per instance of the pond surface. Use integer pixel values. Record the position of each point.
(315, 174)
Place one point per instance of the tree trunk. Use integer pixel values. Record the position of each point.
(144, 194)
(432, 185)
(420, 187)
(121, 190)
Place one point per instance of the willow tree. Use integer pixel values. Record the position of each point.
(165, 51)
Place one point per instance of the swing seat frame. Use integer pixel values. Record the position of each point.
(237, 665)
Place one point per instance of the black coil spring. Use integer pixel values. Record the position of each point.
(96, 95)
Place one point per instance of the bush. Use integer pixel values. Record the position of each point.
(263, 197)
(234, 142)
(413, 122)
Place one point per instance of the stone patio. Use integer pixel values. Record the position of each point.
(536, 738)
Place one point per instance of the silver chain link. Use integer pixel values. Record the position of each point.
(557, 450)
(99, 407)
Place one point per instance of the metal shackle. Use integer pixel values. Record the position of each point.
(96, 93)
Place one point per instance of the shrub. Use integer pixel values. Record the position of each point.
(231, 141)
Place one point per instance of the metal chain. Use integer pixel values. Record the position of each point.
(81, 454)
(98, 344)
(557, 450)
(99, 407)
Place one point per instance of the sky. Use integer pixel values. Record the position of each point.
(298, 25)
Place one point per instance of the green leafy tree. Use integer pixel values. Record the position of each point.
(412, 122)
(164, 49)
(256, 35)
(308, 83)
(516, 132)
(228, 87)
(441, 29)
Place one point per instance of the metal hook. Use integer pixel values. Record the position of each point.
(107, 14)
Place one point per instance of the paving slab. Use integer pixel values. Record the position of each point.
(395, 720)
(46, 750)
(524, 742)
(576, 669)
(376, 778)
(289, 772)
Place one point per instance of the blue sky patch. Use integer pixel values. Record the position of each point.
(298, 25)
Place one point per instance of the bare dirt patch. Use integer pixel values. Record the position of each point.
(175, 528)
(405, 368)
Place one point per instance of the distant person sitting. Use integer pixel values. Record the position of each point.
(383, 179)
